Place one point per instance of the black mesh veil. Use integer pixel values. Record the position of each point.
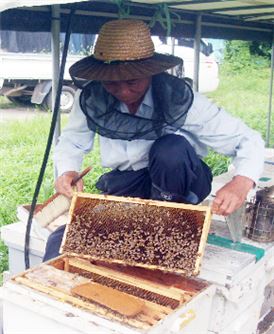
(172, 99)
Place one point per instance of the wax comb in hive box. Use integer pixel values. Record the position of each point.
(137, 298)
(123, 278)
(151, 234)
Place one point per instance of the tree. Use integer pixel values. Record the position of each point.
(240, 55)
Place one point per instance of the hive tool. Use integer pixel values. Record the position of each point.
(235, 224)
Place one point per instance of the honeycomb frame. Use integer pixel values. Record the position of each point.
(152, 296)
(115, 229)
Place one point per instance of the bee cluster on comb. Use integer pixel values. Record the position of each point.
(135, 232)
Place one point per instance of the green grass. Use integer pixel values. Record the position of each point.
(22, 144)
(21, 154)
(246, 96)
(5, 103)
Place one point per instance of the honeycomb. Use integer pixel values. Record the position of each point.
(135, 233)
(134, 296)
(123, 287)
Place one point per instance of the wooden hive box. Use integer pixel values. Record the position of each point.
(129, 261)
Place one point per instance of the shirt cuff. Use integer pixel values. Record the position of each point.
(72, 166)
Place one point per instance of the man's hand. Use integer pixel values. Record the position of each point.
(232, 195)
(63, 183)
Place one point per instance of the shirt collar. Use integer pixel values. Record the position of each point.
(148, 101)
(145, 108)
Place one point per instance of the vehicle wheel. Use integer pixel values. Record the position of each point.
(66, 101)
(24, 99)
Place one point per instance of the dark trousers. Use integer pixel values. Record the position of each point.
(175, 173)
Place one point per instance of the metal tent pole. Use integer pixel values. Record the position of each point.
(270, 96)
(197, 42)
(55, 44)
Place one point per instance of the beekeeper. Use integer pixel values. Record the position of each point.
(153, 129)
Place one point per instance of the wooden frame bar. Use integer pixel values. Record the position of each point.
(191, 208)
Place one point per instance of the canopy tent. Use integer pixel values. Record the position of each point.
(225, 19)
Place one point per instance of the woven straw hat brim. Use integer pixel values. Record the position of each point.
(90, 68)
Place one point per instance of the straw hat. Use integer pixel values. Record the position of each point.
(124, 51)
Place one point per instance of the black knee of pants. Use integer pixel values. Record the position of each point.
(175, 168)
(125, 183)
(54, 243)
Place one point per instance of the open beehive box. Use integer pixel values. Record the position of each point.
(128, 260)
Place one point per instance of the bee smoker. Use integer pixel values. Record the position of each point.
(260, 216)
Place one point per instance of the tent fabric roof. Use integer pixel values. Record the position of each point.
(247, 10)
(8, 4)
(228, 19)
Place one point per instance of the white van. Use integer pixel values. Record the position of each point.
(183, 48)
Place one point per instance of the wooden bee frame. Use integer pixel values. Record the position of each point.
(152, 234)
(132, 296)
(143, 293)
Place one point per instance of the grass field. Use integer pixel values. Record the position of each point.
(246, 96)
(22, 144)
